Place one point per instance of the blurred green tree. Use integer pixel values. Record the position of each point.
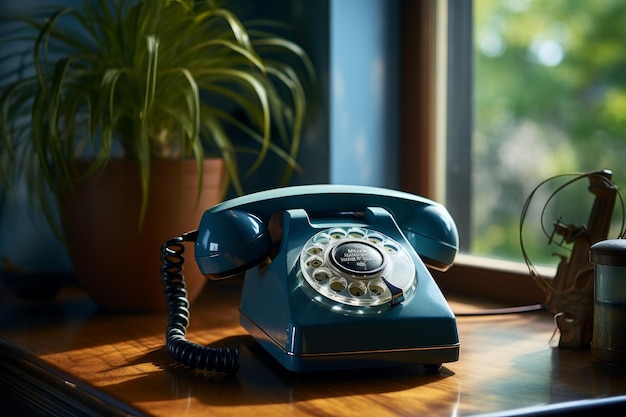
(549, 98)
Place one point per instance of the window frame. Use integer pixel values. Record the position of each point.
(436, 130)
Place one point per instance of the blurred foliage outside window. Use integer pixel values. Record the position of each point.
(549, 98)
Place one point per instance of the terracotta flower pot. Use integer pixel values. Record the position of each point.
(115, 260)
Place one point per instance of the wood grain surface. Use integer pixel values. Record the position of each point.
(506, 363)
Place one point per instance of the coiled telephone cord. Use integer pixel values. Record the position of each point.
(178, 347)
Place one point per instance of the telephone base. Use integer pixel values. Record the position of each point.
(347, 295)
(430, 357)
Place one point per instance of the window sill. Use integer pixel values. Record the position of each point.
(492, 279)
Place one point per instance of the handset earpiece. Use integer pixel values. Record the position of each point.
(430, 229)
(230, 242)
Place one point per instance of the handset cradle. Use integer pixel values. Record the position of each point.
(344, 286)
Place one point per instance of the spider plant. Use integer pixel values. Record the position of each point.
(145, 79)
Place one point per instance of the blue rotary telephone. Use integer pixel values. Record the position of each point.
(341, 282)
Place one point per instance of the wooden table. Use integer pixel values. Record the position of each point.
(68, 357)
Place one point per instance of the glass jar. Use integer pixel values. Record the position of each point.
(609, 313)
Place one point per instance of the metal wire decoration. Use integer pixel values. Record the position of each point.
(569, 294)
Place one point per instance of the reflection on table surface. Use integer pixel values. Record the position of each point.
(506, 363)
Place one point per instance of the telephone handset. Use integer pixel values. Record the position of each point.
(345, 285)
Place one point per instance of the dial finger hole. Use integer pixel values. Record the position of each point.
(322, 239)
(338, 234)
(356, 233)
(321, 275)
(314, 262)
(375, 238)
(391, 248)
(357, 289)
(376, 289)
(338, 284)
(314, 250)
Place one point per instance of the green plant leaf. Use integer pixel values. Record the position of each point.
(146, 79)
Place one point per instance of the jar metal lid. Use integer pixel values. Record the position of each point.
(608, 252)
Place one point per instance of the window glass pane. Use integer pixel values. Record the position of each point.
(549, 98)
